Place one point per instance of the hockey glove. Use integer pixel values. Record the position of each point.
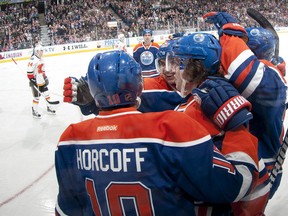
(280, 64)
(77, 91)
(225, 24)
(32, 82)
(222, 103)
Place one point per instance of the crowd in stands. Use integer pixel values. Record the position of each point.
(86, 20)
(19, 26)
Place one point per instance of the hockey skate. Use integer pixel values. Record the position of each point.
(35, 114)
(51, 111)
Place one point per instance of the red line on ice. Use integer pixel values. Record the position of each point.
(27, 187)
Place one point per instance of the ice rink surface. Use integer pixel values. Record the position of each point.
(28, 185)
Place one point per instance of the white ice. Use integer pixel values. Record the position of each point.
(28, 185)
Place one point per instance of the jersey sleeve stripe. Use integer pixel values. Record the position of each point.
(254, 81)
(246, 54)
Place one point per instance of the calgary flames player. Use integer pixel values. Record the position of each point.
(38, 81)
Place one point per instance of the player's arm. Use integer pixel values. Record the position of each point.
(280, 64)
(159, 100)
(221, 102)
(30, 72)
(204, 172)
(241, 67)
(66, 203)
(136, 52)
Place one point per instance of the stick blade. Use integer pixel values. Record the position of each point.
(53, 102)
(263, 22)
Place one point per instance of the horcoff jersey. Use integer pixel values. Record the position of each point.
(146, 56)
(263, 85)
(36, 70)
(124, 162)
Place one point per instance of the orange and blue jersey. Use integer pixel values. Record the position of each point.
(159, 96)
(255, 202)
(264, 86)
(157, 82)
(145, 56)
(124, 161)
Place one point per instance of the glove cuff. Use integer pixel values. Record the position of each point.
(233, 29)
(229, 109)
(240, 118)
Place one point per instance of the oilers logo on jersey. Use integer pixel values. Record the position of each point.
(147, 58)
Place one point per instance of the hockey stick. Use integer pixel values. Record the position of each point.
(264, 23)
(48, 101)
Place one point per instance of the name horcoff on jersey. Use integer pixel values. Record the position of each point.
(115, 160)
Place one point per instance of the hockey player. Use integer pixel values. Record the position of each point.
(160, 87)
(198, 56)
(121, 44)
(113, 165)
(159, 92)
(166, 78)
(262, 43)
(258, 80)
(145, 54)
(38, 80)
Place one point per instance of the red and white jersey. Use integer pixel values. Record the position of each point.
(36, 70)
(119, 45)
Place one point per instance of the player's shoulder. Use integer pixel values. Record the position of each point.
(153, 83)
(155, 44)
(139, 45)
(180, 124)
(177, 118)
(75, 129)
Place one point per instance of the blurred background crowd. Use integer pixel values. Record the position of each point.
(71, 21)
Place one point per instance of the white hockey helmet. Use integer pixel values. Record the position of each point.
(121, 37)
(38, 49)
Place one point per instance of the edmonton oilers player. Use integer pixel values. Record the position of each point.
(145, 54)
(113, 165)
(198, 56)
(257, 79)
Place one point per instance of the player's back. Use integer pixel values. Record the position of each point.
(121, 160)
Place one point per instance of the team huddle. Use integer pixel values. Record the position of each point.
(192, 127)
